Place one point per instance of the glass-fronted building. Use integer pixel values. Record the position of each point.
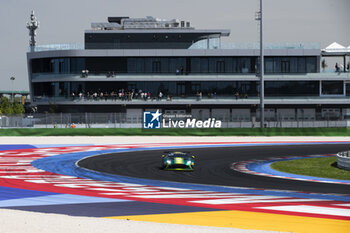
(137, 64)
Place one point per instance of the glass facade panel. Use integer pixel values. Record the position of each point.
(293, 64)
(290, 65)
(148, 65)
(311, 64)
(164, 65)
(169, 65)
(332, 88)
(132, 67)
(77, 65)
(212, 65)
(269, 65)
(204, 65)
(301, 65)
(291, 88)
(228, 65)
(195, 65)
(276, 65)
(348, 89)
(140, 65)
(220, 66)
(285, 66)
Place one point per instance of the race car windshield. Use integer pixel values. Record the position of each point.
(179, 155)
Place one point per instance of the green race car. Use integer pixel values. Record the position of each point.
(177, 161)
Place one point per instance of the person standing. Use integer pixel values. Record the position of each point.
(336, 67)
(237, 95)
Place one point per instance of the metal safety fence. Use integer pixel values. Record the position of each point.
(124, 120)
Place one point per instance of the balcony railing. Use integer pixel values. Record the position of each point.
(213, 44)
(211, 97)
(53, 47)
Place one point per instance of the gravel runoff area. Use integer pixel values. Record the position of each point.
(15, 221)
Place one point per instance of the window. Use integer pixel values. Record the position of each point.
(220, 66)
(269, 65)
(156, 68)
(301, 65)
(291, 88)
(204, 63)
(332, 88)
(348, 89)
(311, 64)
(195, 65)
(285, 66)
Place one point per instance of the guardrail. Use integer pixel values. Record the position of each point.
(343, 160)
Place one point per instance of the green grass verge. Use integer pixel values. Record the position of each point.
(319, 167)
(175, 132)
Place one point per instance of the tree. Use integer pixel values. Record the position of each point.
(18, 108)
(6, 107)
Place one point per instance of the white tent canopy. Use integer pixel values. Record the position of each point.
(336, 49)
(335, 46)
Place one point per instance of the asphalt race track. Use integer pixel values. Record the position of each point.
(213, 166)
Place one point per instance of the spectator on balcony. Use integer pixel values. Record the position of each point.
(113, 95)
(237, 95)
(106, 95)
(337, 68)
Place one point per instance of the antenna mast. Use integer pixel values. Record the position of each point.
(32, 26)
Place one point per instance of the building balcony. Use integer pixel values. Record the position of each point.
(211, 100)
(114, 77)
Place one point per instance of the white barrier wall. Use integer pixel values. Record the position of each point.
(220, 114)
(306, 114)
(286, 114)
(241, 114)
(343, 160)
(200, 114)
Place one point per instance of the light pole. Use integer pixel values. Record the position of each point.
(259, 17)
(12, 81)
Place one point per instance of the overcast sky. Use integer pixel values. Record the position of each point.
(64, 21)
